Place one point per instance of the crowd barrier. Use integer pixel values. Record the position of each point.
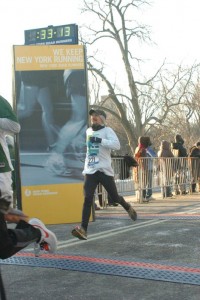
(177, 173)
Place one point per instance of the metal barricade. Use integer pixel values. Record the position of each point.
(194, 169)
(123, 179)
(175, 174)
(160, 174)
(123, 176)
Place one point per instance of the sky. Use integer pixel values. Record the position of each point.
(174, 24)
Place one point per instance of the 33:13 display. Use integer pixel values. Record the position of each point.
(51, 33)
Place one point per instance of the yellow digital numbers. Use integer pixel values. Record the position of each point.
(43, 34)
(67, 34)
(49, 33)
(66, 31)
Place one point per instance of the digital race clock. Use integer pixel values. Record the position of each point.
(64, 34)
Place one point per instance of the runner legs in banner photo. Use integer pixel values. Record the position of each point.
(71, 137)
(34, 90)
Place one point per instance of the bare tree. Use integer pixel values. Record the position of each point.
(148, 102)
(184, 118)
(193, 104)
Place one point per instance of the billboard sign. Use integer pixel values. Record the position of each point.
(51, 103)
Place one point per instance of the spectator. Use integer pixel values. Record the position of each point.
(195, 166)
(166, 168)
(141, 179)
(144, 179)
(150, 154)
(179, 151)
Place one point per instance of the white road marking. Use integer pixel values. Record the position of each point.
(112, 232)
(193, 210)
(108, 233)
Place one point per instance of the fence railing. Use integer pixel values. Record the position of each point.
(174, 174)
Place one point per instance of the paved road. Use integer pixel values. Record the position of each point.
(156, 257)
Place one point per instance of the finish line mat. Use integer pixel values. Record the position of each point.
(142, 269)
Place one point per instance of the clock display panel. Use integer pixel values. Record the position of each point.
(64, 34)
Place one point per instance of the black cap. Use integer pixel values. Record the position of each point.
(98, 112)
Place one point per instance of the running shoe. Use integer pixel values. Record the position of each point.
(48, 241)
(80, 233)
(132, 213)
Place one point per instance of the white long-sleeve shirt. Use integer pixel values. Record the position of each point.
(7, 127)
(98, 156)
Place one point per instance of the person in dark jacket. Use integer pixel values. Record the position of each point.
(195, 166)
(151, 163)
(166, 168)
(179, 150)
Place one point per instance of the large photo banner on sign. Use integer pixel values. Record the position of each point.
(51, 104)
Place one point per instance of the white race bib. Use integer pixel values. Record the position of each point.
(92, 161)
